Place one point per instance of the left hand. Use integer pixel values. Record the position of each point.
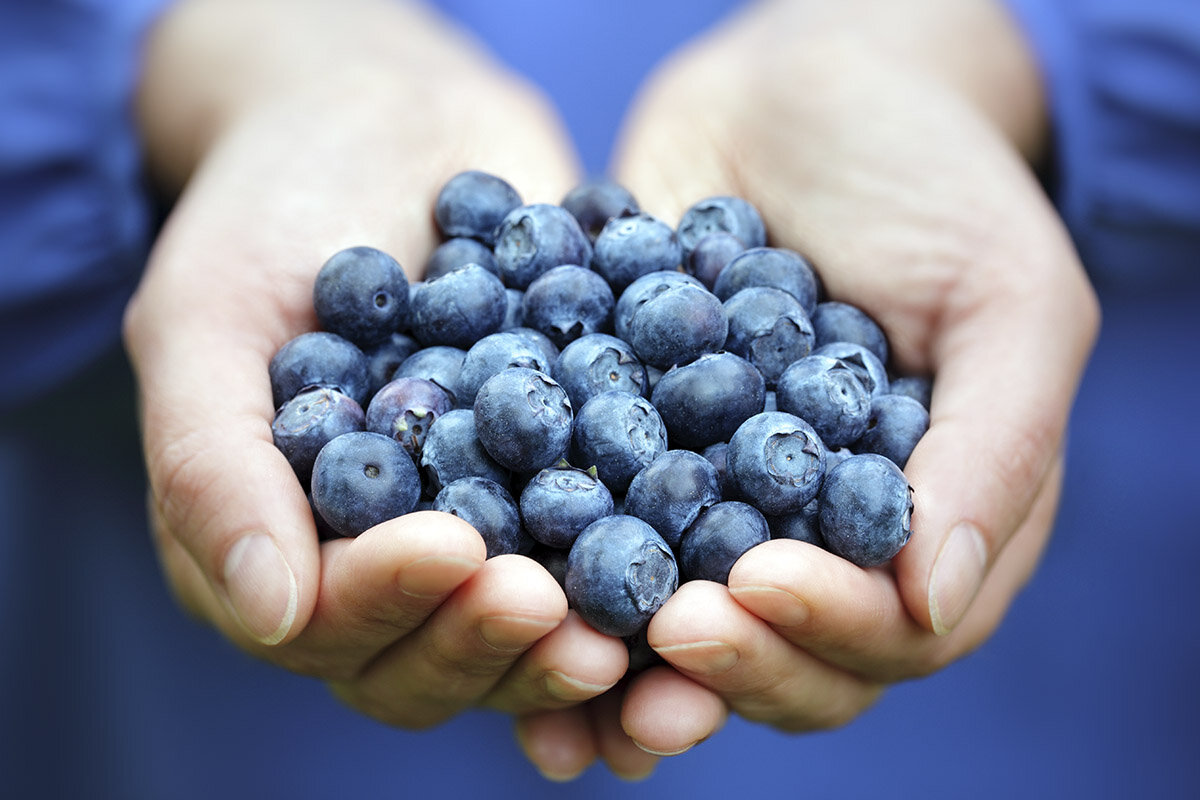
(900, 170)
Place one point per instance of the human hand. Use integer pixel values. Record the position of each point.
(889, 143)
(338, 127)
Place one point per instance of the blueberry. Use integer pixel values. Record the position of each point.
(866, 510)
(458, 252)
(618, 433)
(641, 290)
(307, 422)
(473, 204)
(452, 450)
(619, 572)
(440, 364)
(895, 425)
(597, 200)
(826, 393)
(835, 321)
(405, 408)
(720, 536)
(492, 354)
(386, 357)
(918, 387)
(538, 340)
(769, 328)
(803, 525)
(598, 363)
(678, 326)
(671, 491)
(770, 266)
(318, 358)
(488, 508)
(777, 461)
(523, 419)
(536, 238)
(711, 254)
(567, 302)
(361, 294)
(865, 364)
(459, 308)
(634, 245)
(361, 479)
(705, 401)
(560, 501)
(721, 214)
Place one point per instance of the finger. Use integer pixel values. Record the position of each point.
(665, 713)
(856, 619)
(570, 665)
(559, 743)
(621, 754)
(379, 586)
(226, 494)
(463, 649)
(1005, 383)
(710, 638)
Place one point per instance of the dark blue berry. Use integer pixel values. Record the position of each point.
(671, 491)
(361, 294)
(769, 328)
(777, 461)
(866, 510)
(634, 245)
(567, 302)
(619, 572)
(318, 358)
(536, 238)
(458, 308)
(720, 536)
(361, 479)
(597, 200)
(705, 401)
(826, 393)
(560, 501)
(488, 508)
(307, 422)
(523, 419)
(619, 434)
(473, 204)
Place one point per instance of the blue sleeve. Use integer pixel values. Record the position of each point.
(75, 220)
(1123, 84)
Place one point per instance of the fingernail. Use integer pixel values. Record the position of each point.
(513, 634)
(564, 687)
(261, 588)
(555, 777)
(956, 577)
(701, 658)
(775, 605)
(435, 576)
(664, 753)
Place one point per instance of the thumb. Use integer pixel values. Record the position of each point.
(220, 489)
(1007, 368)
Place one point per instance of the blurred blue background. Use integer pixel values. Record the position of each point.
(1088, 689)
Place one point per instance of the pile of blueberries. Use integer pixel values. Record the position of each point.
(631, 404)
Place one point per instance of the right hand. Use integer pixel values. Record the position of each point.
(324, 125)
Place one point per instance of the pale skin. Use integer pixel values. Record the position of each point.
(888, 141)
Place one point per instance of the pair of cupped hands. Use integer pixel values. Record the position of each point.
(890, 142)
